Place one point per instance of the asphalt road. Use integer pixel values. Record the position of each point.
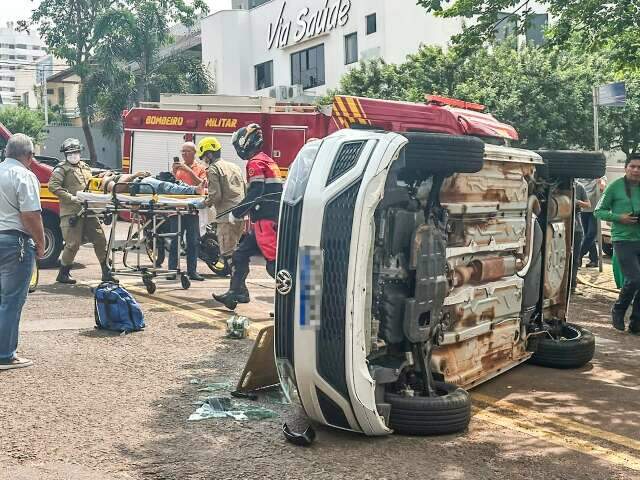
(101, 406)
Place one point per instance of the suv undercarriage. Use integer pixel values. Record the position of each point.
(422, 265)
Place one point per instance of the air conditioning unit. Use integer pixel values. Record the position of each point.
(283, 92)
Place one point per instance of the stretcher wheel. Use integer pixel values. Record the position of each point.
(184, 281)
(151, 287)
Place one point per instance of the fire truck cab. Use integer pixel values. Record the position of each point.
(155, 132)
(50, 206)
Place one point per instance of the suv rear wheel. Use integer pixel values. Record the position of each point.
(449, 412)
(570, 164)
(574, 347)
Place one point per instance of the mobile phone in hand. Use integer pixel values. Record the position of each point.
(176, 160)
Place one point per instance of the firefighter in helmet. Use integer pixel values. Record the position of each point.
(226, 189)
(68, 178)
(261, 203)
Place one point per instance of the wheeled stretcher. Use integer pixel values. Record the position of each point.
(145, 216)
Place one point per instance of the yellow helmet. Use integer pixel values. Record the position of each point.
(209, 144)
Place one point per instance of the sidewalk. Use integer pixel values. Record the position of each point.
(593, 283)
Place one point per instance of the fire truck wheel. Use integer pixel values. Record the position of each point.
(573, 348)
(449, 412)
(443, 154)
(568, 164)
(53, 241)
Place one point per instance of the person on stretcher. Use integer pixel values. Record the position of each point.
(124, 181)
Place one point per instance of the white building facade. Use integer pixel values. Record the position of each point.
(261, 46)
(18, 51)
(288, 48)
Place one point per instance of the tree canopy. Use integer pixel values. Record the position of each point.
(97, 38)
(546, 94)
(24, 120)
(612, 26)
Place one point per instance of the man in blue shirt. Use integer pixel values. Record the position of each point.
(21, 240)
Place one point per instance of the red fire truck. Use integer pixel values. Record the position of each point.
(50, 206)
(153, 136)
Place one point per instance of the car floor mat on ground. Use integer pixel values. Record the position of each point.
(260, 371)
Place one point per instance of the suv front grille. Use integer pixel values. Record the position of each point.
(336, 243)
(288, 235)
(345, 160)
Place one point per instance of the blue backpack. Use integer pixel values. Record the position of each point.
(115, 309)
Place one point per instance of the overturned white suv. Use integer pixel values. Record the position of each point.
(414, 265)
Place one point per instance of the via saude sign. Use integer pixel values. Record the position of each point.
(308, 24)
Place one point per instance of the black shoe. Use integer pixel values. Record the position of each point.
(634, 331)
(229, 299)
(243, 297)
(196, 276)
(64, 276)
(592, 265)
(617, 320)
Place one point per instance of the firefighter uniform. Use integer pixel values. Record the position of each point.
(262, 205)
(226, 189)
(66, 180)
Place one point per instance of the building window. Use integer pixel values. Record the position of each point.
(264, 75)
(307, 67)
(506, 26)
(61, 96)
(21, 45)
(372, 24)
(536, 24)
(256, 3)
(350, 48)
(49, 91)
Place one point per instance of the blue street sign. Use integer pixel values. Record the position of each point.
(612, 95)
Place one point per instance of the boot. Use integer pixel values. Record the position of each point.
(107, 276)
(64, 275)
(237, 293)
(627, 293)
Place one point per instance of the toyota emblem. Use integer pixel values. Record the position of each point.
(284, 282)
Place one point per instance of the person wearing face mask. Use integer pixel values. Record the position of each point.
(69, 177)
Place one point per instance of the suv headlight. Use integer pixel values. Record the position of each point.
(298, 177)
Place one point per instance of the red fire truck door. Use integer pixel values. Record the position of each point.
(285, 144)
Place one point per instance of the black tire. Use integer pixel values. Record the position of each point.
(574, 349)
(151, 287)
(448, 413)
(53, 241)
(570, 164)
(436, 153)
(607, 249)
(185, 282)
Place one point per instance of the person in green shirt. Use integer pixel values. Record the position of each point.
(620, 205)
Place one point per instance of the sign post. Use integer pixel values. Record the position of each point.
(609, 95)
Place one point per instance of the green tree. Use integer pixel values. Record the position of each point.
(68, 29)
(135, 35)
(600, 25)
(24, 120)
(75, 30)
(180, 74)
(544, 94)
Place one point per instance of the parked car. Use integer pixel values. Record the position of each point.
(413, 266)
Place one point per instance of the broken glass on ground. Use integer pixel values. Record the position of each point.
(216, 387)
(223, 407)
